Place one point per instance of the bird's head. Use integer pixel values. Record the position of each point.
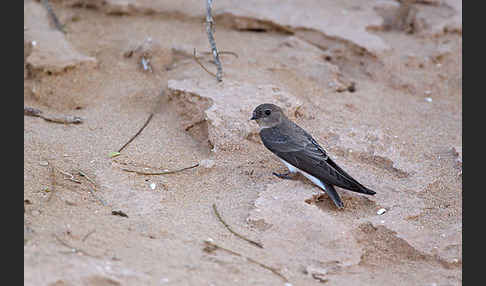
(267, 115)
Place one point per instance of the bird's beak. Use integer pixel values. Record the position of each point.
(253, 117)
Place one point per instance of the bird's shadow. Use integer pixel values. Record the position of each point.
(355, 203)
(322, 201)
(359, 205)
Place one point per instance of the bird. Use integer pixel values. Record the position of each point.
(300, 152)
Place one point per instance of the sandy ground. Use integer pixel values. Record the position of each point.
(377, 83)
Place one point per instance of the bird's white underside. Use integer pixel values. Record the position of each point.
(313, 179)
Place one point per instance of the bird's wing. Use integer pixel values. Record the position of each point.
(305, 153)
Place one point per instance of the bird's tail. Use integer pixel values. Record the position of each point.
(364, 190)
(351, 184)
(331, 192)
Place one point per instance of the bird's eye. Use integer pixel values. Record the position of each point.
(268, 111)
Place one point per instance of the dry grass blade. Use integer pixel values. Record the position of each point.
(83, 174)
(93, 187)
(232, 231)
(160, 173)
(202, 66)
(87, 235)
(73, 249)
(52, 175)
(139, 131)
(224, 53)
(71, 177)
(211, 247)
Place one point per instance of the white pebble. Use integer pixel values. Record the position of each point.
(428, 99)
(381, 211)
(288, 284)
(207, 163)
(43, 163)
(34, 43)
(382, 222)
(145, 64)
(428, 92)
(152, 186)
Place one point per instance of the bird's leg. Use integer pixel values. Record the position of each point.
(284, 175)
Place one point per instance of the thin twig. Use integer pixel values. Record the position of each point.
(58, 24)
(53, 181)
(97, 197)
(32, 111)
(83, 174)
(63, 119)
(71, 177)
(160, 173)
(212, 43)
(210, 247)
(194, 124)
(232, 231)
(224, 53)
(203, 67)
(139, 131)
(88, 234)
(73, 249)
(93, 187)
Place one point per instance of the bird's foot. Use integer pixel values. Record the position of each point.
(284, 175)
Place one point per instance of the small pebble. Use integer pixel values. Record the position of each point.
(428, 99)
(428, 92)
(34, 43)
(43, 163)
(146, 64)
(207, 163)
(381, 211)
(152, 186)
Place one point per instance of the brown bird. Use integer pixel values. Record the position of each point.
(301, 153)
